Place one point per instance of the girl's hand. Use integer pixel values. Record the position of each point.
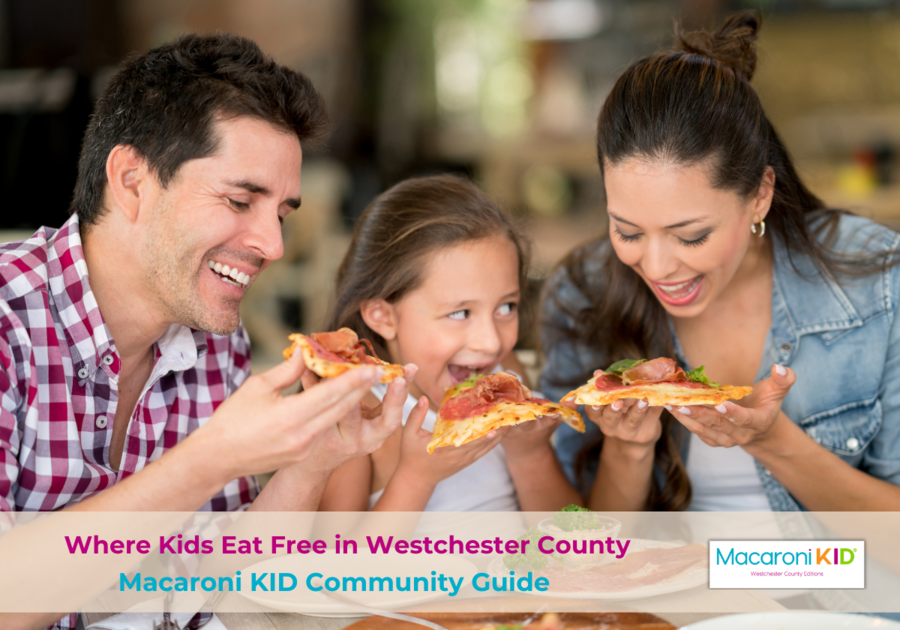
(527, 438)
(416, 462)
(749, 423)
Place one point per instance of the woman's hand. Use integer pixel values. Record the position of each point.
(415, 461)
(628, 420)
(528, 438)
(750, 423)
(631, 429)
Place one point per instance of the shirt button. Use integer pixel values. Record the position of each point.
(786, 347)
(852, 444)
(101, 422)
(83, 373)
(108, 359)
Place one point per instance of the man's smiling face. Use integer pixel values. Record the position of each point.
(217, 224)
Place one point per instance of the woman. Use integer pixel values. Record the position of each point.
(718, 255)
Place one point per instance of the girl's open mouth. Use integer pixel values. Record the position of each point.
(459, 373)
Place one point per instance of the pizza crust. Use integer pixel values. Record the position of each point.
(331, 369)
(459, 432)
(658, 394)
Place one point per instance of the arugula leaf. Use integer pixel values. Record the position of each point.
(575, 518)
(469, 383)
(625, 364)
(699, 376)
(533, 558)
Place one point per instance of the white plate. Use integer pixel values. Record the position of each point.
(795, 621)
(317, 604)
(693, 578)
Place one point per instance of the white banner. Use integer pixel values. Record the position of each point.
(791, 564)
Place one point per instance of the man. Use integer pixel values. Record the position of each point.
(120, 338)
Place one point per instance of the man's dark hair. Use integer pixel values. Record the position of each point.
(164, 104)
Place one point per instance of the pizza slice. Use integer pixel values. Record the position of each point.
(330, 354)
(660, 381)
(476, 407)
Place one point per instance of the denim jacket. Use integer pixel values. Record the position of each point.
(840, 338)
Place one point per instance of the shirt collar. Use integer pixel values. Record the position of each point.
(89, 339)
(67, 277)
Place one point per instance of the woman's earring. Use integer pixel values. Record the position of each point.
(758, 231)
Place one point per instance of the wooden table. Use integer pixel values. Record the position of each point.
(288, 621)
(661, 606)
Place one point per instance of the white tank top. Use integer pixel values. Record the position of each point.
(484, 486)
(724, 479)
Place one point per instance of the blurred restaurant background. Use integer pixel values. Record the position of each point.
(506, 91)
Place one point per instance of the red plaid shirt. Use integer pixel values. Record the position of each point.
(58, 383)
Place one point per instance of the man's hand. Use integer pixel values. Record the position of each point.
(257, 430)
(362, 431)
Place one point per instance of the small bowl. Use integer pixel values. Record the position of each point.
(609, 528)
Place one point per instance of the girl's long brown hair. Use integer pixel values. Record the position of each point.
(397, 233)
(689, 106)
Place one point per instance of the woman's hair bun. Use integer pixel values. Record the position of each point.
(732, 45)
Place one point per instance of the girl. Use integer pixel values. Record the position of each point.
(720, 256)
(433, 277)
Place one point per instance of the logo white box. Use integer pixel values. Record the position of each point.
(790, 564)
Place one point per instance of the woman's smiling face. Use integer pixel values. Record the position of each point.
(686, 239)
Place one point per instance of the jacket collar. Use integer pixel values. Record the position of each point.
(806, 300)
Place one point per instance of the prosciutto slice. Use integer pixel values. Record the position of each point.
(342, 346)
(661, 370)
(637, 569)
(488, 391)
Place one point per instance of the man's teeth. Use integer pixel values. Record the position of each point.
(230, 275)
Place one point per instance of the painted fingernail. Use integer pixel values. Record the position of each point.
(616, 405)
(595, 408)
(400, 383)
(781, 370)
(668, 407)
(686, 411)
(721, 408)
(642, 404)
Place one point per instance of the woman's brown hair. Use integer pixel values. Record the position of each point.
(692, 105)
(396, 234)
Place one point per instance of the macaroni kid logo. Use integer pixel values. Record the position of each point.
(787, 564)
